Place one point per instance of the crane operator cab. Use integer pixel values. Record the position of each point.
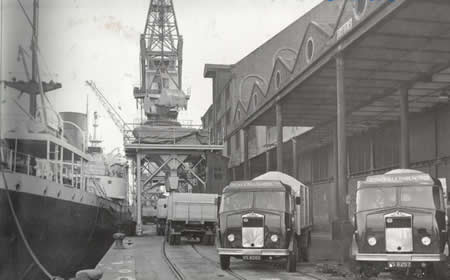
(401, 224)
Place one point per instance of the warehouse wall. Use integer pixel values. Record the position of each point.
(429, 152)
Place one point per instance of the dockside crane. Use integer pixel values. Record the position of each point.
(161, 59)
(109, 108)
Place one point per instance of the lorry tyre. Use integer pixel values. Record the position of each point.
(291, 262)
(166, 232)
(304, 252)
(212, 240)
(171, 239)
(224, 262)
(204, 239)
(440, 270)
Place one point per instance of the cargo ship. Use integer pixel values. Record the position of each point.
(53, 220)
(108, 172)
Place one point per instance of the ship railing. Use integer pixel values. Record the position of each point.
(52, 170)
(169, 133)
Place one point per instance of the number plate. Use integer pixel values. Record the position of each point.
(400, 264)
(251, 258)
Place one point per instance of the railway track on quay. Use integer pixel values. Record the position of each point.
(178, 271)
(241, 277)
(192, 264)
(175, 270)
(229, 271)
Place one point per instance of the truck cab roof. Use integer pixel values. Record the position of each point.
(263, 185)
(399, 177)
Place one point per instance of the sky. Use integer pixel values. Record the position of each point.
(98, 40)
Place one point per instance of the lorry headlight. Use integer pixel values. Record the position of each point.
(372, 241)
(426, 241)
(274, 238)
(230, 237)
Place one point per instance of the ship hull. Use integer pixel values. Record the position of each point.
(66, 236)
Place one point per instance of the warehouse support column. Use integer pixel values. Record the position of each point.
(345, 228)
(267, 160)
(404, 129)
(246, 162)
(372, 152)
(138, 195)
(294, 159)
(279, 123)
(334, 198)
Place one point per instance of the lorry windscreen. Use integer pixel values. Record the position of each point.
(408, 196)
(257, 199)
(237, 201)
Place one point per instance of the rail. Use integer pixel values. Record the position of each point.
(217, 264)
(176, 272)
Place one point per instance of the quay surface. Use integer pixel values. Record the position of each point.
(147, 257)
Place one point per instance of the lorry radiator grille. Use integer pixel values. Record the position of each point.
(398, 222)
(252, 222)
(398, 232)
(253, 231)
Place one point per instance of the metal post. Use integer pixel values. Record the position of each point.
(279, 123)
(404, 129)
(294, 159)
(83, 179)
(268, 160)
(34, 45)
(61, 156)
(341, 139)
(334, 198)
(234, 173)
(28, 164)
(138, 195)
(371, 153)
(246, 161)
(73, 170)
(15, 154)
(143, 66)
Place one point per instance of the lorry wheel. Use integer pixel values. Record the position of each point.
(212, 240)
(224, 262)
(204, 239)
(440, 270)
(305, 242)
(171, 239)
(291, 262)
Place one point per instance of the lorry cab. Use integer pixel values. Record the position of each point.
(258, 221)
(401, 224)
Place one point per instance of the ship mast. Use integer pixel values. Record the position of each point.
(95, 141)
(34, 86)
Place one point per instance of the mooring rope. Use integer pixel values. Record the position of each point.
(22, 235)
